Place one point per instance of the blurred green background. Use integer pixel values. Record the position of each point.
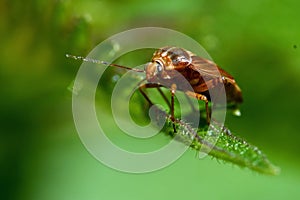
(41, 155)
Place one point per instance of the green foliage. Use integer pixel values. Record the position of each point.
(220, 143)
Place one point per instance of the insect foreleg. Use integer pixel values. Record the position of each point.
(153, 85)
(147, 85)
(164, 97)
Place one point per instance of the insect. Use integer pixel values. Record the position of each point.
(168, 63)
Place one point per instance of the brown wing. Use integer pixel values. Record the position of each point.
(208, 68)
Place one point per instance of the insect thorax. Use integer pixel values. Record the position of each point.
(173, 57)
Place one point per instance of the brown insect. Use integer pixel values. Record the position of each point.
(201, 74)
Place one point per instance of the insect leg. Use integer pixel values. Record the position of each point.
(153, 85)
(164, 97)
(213, 83)
(148, 85)
(173, 90)
(202, 98)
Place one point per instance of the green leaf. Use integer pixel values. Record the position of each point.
(218, 142)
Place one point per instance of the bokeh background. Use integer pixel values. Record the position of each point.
(40, 152)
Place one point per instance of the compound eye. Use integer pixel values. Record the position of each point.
(159, 66)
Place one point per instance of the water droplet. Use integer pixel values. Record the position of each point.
(237, 112)
(115, 78)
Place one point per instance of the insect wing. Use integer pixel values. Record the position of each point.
(208, 68)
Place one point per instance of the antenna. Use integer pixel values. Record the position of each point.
(101, 62)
